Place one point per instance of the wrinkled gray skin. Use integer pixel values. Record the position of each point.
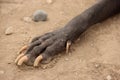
(52, 43)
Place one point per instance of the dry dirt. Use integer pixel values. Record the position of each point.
(96, 56)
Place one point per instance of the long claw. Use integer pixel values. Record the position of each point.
(23, 48)
(23, 59)
(19, 56)
(37, 60)
(68, 46)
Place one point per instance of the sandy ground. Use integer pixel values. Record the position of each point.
(95, 57)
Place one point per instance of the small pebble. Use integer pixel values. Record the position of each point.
(76, 73)
(66, 59)
(91, 45)
(44, 67)
(9, 31)
(2, 72)
(109, 77)
(9, 63)
(97, 65)
(61, 12)
(27, 19)
(18, 70)
(39, 15)
(49, 1)
(80, 60)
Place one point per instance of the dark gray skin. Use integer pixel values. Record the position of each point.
(52, 43)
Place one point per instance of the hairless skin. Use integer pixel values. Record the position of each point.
(45, 47)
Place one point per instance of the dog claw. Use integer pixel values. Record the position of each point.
(68, 46)
(23, 49)
(37, 60)
(22, 60)
(19, 56)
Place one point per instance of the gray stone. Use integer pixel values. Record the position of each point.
(39, 15)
